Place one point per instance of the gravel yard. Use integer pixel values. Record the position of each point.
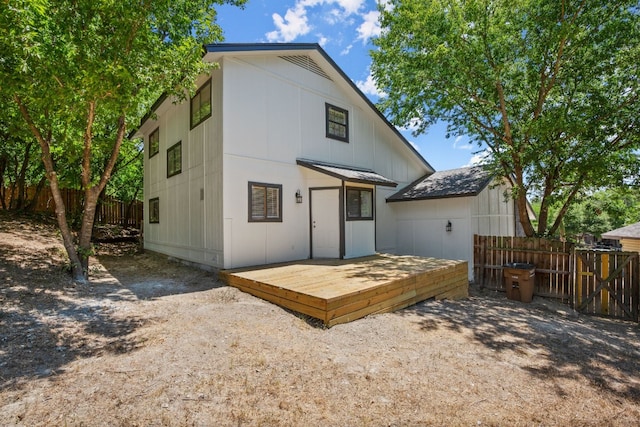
(152, 342)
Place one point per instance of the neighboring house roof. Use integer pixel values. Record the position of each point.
(460, 182)
(629, 232)
(347, 173)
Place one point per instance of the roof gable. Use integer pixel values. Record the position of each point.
(312, 57)
(462, 182)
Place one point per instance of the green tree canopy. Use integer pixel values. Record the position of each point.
(83, 72)
(549, 86)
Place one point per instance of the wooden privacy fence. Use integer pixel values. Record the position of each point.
(592, 281)
(110, 210)
(607, 283)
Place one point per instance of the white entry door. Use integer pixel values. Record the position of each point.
(325, 223)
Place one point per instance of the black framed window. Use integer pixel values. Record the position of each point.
(337, 123)
(201, 105)
(154, 210)
(265, 202)
(154, 142)
(174, 159)
(359, 204)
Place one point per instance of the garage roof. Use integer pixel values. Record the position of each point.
(460, 182)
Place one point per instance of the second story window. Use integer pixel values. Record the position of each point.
(154, 142)
(337, 123)
(174, 159)
(201, 105)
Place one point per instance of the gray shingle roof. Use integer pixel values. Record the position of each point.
(347, 173)
(460, 182)
(629, 232)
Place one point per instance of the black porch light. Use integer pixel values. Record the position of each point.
(298, 197)
(448, 227)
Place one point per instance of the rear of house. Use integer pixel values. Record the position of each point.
(277, 157)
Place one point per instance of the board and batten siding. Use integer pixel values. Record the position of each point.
(191, 225)
(421, 224)
(274, 113)
(492, 212)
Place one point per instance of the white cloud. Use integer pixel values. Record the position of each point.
(414, 145)
(413, 125)
(370, 27)
(322, 40)
(462, 143)
(386, 5)
(369, 87)
(479, 158)
(295, 22)
(349, 6)
(346, 50)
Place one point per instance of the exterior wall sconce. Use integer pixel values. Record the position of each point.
(448, 227)
(298, 197)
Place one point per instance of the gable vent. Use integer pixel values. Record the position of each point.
(307, 63)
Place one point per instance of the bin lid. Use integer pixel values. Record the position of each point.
(519, 266)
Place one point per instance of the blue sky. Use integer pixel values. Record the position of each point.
(344, 29)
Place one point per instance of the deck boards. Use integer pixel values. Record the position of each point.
(338, 291)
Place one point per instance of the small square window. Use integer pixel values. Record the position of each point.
(201, 105)
(154, 211)
(337, 123)
(265, 202)
(174, 159)
(154, 142)
(359, 204)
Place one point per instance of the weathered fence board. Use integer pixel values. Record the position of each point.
(110, 210)
(605, 283)
(551, 258)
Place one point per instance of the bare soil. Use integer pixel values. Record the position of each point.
(152, 342)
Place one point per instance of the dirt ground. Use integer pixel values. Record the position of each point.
(152, 342)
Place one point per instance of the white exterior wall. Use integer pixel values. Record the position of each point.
(190, 224)
(492, 214)
(274, 113)
(421, 224)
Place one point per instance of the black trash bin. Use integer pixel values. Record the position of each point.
(519, 279)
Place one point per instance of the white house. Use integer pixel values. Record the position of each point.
(277, 157)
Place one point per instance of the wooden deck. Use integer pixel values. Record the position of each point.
(339, 291)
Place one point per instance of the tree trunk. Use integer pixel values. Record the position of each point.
(22, 176)
(523, 212)
(3, 189)
(36, 195)
(77, 272)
